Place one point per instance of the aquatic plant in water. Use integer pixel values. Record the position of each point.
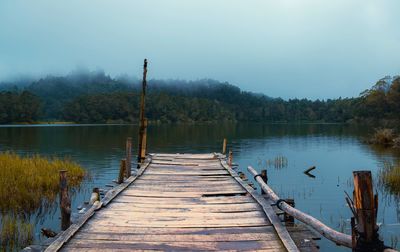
(28, 184)
(389, 177)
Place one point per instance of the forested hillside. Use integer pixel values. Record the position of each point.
(94, 97)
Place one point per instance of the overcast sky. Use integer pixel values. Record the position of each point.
(313, 49)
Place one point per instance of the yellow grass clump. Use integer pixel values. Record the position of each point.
(389, 177)
(26, 182)
(29, 185)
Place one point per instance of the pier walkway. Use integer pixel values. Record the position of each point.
(180, 202)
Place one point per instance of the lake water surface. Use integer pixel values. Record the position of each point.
(336, 150)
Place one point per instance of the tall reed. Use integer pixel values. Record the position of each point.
(389, 177)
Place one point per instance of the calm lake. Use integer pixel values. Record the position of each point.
(335, 150)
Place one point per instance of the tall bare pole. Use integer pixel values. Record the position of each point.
(142, 126)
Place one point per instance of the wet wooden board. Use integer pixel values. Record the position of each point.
(180, 202)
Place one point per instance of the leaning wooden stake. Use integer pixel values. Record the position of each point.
(128, 156)
(142, 127)
(224, 147)
(366, 208)
(65, 201)
(121, 171)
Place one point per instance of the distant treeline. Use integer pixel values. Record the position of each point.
(93, 97)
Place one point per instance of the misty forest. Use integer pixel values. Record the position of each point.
(94, 97)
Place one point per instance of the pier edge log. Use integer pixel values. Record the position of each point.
(122, 168)
(224, 147)
(329, 233)
(65, 201)
(128, 157)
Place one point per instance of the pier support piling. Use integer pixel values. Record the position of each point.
(65, 201)
(264, 177)
(230, 159)
(366, 208)
(122, 168)
(224, 147)
(128, 157)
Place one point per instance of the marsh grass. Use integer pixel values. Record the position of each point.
(385, 137)
(389, 177)
(279, 162)
(15, 232)
(29, 184)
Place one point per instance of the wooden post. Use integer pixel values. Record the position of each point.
(128, 156)
(65, 201)
(264, 178)
(95, 196)
(121, 171)
(230, 158)
(289, 220)
(366, 230)
(224, 147)
(142, 113)
(144, 142)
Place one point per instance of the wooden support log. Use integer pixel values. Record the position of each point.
(121, 171)
(95, 196)
(289, 220)
(230, 158)
(365, 205)
(329, 233)
(224, 147)
(128, 157)
(142, 113)
(144, 142)
(264, 177)
(65, 201)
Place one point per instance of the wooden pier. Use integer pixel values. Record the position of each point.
(180, 202)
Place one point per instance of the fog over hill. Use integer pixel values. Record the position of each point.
(95, 97)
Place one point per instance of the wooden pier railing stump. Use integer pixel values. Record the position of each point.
(95, 196)
(366, 230)
(122, 168)
(65, 201)
(128, 157)
(264, 177)
(224, 147)
(230, 159)
(144, 141)
(289, 220)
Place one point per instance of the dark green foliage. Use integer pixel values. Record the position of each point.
(19, 107)
(93, 97)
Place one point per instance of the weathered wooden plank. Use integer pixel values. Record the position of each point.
(123, 236)
(203, 189)
(187, 173)
(165, 215)
(149, 207)
(182, 200)
(172, 246)
(91, 227)
(168, 194)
